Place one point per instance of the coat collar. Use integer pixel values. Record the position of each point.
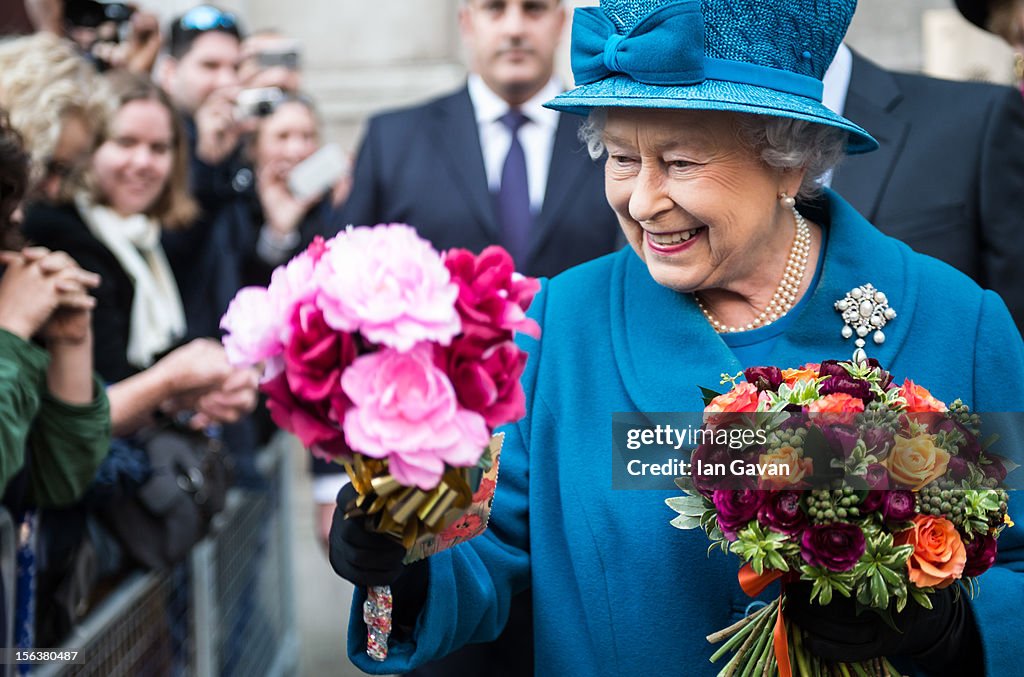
(872, 101)
(665, 349)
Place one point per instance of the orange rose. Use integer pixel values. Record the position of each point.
(837, 408)
(790, 467)
(916, 461)
(919, 399)
(939, 555)
(808, 372)
(743, 397)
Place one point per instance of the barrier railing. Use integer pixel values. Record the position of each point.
(229, 610)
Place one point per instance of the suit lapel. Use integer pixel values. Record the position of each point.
(569, 166)
(872, 102)
(458, 138)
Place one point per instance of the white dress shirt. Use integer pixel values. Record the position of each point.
(537, 136)
(837, 86)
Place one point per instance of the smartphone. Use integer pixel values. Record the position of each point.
(285, 56)
(318, 173)
(258, 102)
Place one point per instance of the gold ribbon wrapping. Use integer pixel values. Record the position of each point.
(406, 513)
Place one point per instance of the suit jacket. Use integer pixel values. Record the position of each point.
(617, 590)
(424, 166)
(948, 178)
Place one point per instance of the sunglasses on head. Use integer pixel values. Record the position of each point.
(207, 18)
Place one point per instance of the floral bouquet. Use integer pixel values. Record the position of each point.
(384, 355)
(863, 488)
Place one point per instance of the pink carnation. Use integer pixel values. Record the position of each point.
(406, 411)
(493, 297)
(253, 334)
(389, 284)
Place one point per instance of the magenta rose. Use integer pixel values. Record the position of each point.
(316, 356)
(316, 424)
(837, 547)
(877, 478)
(981, 555)
(899, 505)
(493, 297)
(405, 410)
(487, 380)
(736, 507)
(781, 512)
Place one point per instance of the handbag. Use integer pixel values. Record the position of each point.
(171, 511)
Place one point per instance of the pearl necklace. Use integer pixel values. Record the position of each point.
(785, 294)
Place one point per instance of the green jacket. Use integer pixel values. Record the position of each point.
(67, 441)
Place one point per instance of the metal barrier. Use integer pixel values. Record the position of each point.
(8, 578)
(228, 611)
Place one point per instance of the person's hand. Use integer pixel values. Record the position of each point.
(358, 555)
(36, 283)
(234, 398)
(837, 633)
(143, 43)
(282, 210)
(193, 370)
(217, 132)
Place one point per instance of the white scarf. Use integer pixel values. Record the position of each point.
(158, 319)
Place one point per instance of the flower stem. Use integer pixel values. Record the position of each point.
(728, 632)
(757, 628)
(743, 633)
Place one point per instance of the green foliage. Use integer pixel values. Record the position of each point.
(881, 572)
(692, 508)
(760, 547)
(826, 583)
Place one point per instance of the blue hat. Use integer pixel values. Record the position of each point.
(750, 56)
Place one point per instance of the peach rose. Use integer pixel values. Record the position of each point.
(939, 555)
(790, 467)
(808, 372)
(919, 399)
(916, 461)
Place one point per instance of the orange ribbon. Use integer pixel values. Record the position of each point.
(754, 584)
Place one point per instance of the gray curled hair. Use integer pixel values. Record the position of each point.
(782, 143)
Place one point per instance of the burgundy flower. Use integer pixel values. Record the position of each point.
(877, 476)
(781, 512)
(837, 547)
(995, 469)
(841, 439)
(314, 423)
(736, 508)
(486, 378)
(958, 468)
(493, 297)
(981, 555)
(873, 501)
(899, 505)
(706, 457)
(764, 378)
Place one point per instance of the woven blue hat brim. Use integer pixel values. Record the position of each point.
(621, 91)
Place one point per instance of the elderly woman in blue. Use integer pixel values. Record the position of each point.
(709, 112)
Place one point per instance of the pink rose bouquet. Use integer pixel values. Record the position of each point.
(383, 354)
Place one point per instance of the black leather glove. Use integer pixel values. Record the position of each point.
(358, 555)
(943, 640)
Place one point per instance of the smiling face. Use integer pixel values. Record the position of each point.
(696, 204)
(512, 43)
(133, 165)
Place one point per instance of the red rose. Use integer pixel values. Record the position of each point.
(314, 423)
(315, 357)
(486, 379)
(493, 297)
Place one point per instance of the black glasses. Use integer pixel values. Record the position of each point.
(207, 18)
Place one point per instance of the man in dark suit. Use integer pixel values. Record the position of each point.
(948, 178)
(438, 166)
(454, 168)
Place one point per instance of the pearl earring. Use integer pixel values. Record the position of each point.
(787, 201)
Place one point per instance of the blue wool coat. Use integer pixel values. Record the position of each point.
(617, 590)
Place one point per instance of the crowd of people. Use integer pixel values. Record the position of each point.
(147, 174)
